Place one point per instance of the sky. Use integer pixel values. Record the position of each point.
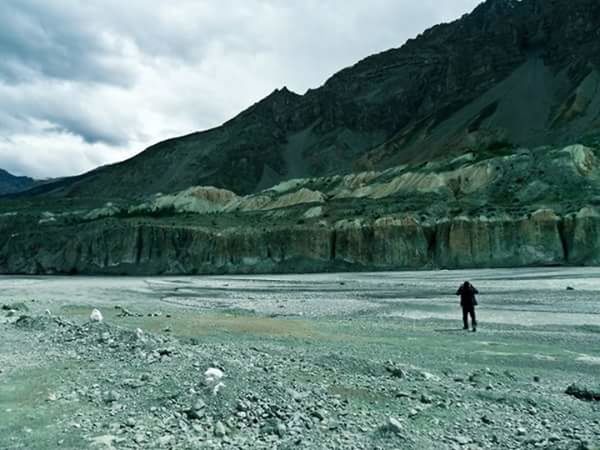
(90, 82)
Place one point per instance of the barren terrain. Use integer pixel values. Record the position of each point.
(310, 361)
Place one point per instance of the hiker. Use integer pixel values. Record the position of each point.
(468, 302)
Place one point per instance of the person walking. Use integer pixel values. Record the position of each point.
(468, 302)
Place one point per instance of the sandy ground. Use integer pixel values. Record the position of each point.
(363, 348)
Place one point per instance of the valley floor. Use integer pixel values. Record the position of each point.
(340, 361)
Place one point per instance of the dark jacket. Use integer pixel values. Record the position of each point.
(467, 295)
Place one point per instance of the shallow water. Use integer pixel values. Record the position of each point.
(508, 296)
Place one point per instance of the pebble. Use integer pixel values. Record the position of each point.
(111, 396)
(130, 422)
(96, 316)
(487, 420)
(462, 440)
(395, 426)
(220, 430)
(426, 399)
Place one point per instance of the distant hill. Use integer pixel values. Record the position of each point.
(10, 184)
(512, 73)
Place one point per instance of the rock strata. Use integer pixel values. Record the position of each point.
(400, 242)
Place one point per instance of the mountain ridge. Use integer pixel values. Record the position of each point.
(440, 93)
(10, 183)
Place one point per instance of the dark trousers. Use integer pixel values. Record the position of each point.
(469, 310)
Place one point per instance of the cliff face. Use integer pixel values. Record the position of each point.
(511, 73)
(533, 207)
(115, 247)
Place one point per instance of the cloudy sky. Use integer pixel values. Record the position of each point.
(89, 82)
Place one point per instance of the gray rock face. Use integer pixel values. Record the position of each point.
(583, 238)
(108, 246)
(506, 241)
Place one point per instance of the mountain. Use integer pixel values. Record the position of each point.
(10, 183)
(512, 73)
(534, 207)
(477, 144)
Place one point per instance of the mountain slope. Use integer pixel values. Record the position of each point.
(511, 73)
(10, 183)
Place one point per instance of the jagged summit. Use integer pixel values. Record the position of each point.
(512, 73)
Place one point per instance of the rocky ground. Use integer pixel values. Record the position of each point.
(379, 366)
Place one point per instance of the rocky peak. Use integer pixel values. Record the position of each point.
(512, 73)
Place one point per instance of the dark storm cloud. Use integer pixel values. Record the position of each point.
(46, 39)
(84, 83)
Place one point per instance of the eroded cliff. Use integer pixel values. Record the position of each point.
(526, 208)
(127, 247)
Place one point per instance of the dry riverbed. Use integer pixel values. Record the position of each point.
(345, 361)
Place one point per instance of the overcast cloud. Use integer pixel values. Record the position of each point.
(86, 83)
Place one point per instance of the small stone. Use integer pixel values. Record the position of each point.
(139, 438)
(213, 375)
(394, 426)
(426, 399)
(111, 396)
(220, 430)
(164, 440)
(281, 430)
(319, 414)
(195, 414)
(241, 406)
(521, 431)
(487, 420)
(130, 422)
(96, 316)
(462, 440)
(536, 379)
(199, 404)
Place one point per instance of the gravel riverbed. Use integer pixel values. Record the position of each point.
(340, 361)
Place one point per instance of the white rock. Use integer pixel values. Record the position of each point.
(217, 387)
(139, 333)
(213, 375)
(96, 316)
(220, 429)
(394, 425)
(212, 379)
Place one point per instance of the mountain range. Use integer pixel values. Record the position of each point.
(512, 73)
(476, 144)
